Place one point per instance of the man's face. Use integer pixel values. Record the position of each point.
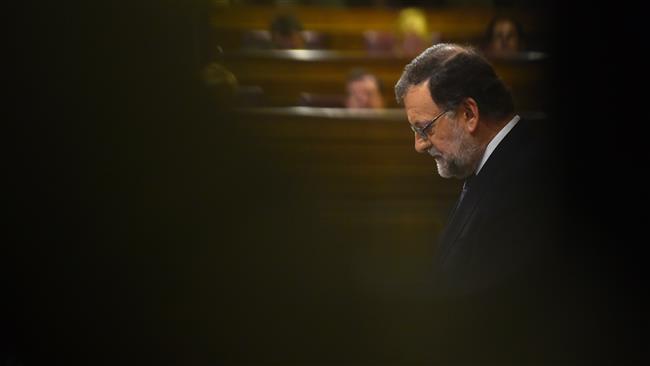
(364, 93)
(455, 150)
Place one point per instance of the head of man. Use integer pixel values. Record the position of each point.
(363, 90)
(456, 104)
(286, 32)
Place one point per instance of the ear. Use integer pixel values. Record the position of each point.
(470, 114)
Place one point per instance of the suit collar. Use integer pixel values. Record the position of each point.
(499, 163)
(496, 140)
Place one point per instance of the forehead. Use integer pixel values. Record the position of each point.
(418, 103)
(504, 26)
(418, 96)
(365, 82)
(365, 85)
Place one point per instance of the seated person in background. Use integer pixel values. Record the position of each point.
(409, 37)
(221, 83)
(504, 36)
(225, 89)
(286, 32)
(413, 32)
(363, 90)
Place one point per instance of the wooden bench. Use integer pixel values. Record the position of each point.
(344, 27)
(370, 207)
(353, 155)
(285, 74)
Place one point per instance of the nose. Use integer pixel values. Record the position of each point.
(421, 144)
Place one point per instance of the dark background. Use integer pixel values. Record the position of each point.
(137, 239)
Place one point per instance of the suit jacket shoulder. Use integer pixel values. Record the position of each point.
(505, 220)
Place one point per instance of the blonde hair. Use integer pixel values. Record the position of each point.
(413, 20)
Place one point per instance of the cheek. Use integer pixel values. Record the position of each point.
(377, 100)
(440, 140)
(446, 144)
(442, 147)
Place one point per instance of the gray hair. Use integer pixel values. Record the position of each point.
(454, 73)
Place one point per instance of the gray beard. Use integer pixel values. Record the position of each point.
(461, 162)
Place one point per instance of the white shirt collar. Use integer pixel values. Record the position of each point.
(496, 140)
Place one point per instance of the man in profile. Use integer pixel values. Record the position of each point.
(502, 225)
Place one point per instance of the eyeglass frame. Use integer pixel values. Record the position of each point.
(422, 131)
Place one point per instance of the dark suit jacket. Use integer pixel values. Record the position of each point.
(503, 229)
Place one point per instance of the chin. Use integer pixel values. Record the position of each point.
(442, 170)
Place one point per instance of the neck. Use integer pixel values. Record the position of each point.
(491, 128)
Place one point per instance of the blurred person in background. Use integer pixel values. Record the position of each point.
(413, 32)
(363, 90)
(410, 35)
(504, 36)
(286, 32)
(221, 83)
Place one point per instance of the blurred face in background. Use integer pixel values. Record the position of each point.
(505, 37)
(364, 93)
(413, 29)
(292, 40)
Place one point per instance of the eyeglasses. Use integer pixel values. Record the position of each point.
(423, 130)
